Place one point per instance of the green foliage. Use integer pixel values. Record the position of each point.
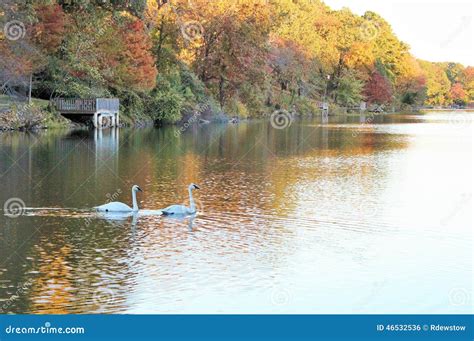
(166, 105)
(167, 101)
(254, 99)
(236, 108)
(133, 103)
(413, 98)
(383, 69)
(195, 90)
(304, 106)
(349, 91)
(177, 90)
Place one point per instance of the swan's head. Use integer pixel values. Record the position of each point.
(193, 186)
(136, 189)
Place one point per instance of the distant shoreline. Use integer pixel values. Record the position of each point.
(449, 109)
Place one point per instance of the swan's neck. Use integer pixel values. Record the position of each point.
(191, 200)
(134, 199)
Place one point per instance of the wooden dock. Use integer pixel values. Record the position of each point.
(102, 112)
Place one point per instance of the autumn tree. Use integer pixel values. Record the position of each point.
(50, 26)
(454, 71)
(288, 64)
(410, 85)
(20, 55)
(387, 48)
(350, 89)
(136, 67)
(164, 58)
(378, 89)
(437, 84)
(458, 94)
(468, 81)
(232, 48)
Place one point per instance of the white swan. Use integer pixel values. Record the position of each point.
(121, 207)
(181, 210)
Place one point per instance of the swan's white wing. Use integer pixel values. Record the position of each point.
(115, 216)
(114, 207)
(176, 210)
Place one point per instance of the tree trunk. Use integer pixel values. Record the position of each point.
(221, 92)
(161, 39)
(29, 90)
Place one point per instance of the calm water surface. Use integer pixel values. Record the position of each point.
(338, 217)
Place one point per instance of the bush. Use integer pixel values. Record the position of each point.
(350, 88)
(166, 106)
(23, 117)
(304, 106)
(192, 86)
(177, 90)
(236, 108)
(253, 99)
(133, 104)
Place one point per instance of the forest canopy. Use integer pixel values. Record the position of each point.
(164, 58)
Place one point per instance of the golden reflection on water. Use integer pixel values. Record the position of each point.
(53, 274)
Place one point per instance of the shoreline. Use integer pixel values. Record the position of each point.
(50, 124)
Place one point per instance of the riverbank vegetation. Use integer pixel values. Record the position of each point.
(166, 59)
(17, 115)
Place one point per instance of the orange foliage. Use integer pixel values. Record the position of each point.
(457, 93)
(49, 30)
(139, 71)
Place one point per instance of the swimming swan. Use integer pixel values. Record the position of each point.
(181, 209)
(121, 207)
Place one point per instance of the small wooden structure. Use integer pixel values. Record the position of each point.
(95, 110)
(325, 109)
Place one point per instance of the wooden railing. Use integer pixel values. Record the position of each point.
(75, 105)
(110, 104)
(86, 106)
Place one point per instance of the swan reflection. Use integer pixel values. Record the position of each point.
(190, 219)
(122, 217)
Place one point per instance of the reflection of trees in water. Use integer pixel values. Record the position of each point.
(68, 269)
(254, 157)
(248, 174)
(51, 291)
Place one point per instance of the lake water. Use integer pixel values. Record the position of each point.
(354, 215)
